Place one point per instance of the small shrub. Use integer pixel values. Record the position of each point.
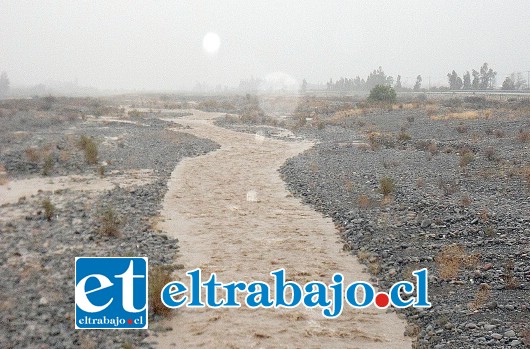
(348, 185)
(461, 128)
(33, 154)
(387, 186)
(484, 215)
(481, 298)
(499, 133)
(452, 258)
(433, 148)
(110, 223)
(448, 186)
(90, 148)
(159, 276)
(466, 159)
(101, 171)
(523, 136)
(410, 119)
(508, 276)
(48, 165)
(404, 136)
(364, 201)
(465, 201)
(49, 209)
(490, 154)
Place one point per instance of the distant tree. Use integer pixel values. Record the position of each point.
(455, 82)
(467, 81)
(476, 80)
(382, 93)
(4, 84)
(358, 83)
(398, 86)
(487, 77)
(417, 85)
(303, 88)
(508, 84)
(518, 81)
(378, 77)
(330, 84)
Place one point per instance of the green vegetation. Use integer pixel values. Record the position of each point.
(382, 93)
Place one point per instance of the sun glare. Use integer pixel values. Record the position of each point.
(211, 43)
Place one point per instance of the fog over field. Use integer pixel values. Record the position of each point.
(161, 46)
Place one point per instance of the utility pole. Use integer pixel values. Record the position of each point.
(429, 83)
(528, 80)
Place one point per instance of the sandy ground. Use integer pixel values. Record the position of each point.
(234, 216)
(14, 190)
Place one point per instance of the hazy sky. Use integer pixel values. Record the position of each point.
(159, 45)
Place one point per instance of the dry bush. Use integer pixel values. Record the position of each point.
(523, 136)
(465, 115)
(431, 110)
(3, 175)
(387, 186)
(484, 215)
(466, 158)
(49, 209)
(89, 146)
(433, 148)
(448, 186)
(499, 133)
(420, 183)
(348, 185)
(159, 276)
(404, 136)
(364, 201)
(461, 128)
(509, 278)
(405, 106)
(491, 154)
(33, 154)
(110, 223)
(47, 167)
(481, 298)
(465, 200)
(452, 258)
(377, 140)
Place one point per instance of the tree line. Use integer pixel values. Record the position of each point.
(376, 77)
(482, 79)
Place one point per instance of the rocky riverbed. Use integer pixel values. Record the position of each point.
(38, 247)
(457, 202)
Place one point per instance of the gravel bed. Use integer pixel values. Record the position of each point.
(37, 255)
(479, 212)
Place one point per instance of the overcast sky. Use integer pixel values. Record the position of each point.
(159, 45)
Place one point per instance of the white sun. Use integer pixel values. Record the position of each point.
(211, 43)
